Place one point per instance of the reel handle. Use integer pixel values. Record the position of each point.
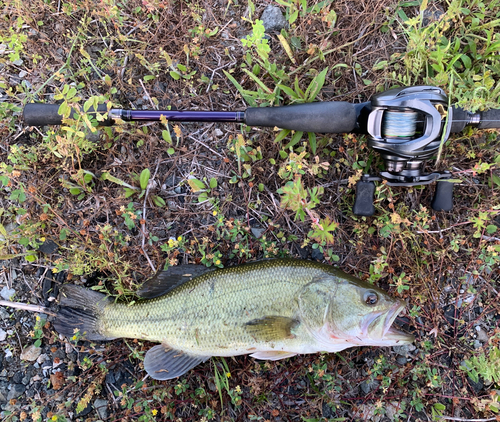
(363, 203)
(443, 197)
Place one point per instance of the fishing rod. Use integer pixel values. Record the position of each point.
(405, 126)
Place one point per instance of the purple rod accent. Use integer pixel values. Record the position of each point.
(184, 115)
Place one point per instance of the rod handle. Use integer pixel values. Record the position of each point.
(490, 119)
(443, 197)
(363, 204)
(40, 114)
(320, 117)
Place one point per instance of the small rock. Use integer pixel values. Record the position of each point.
(218, 133)
(327, 411)
(481, 334)
(18, 62)
(401, 360)
(27, 84)
(85, 411)
(172, 205)
(317, 255)
(48, 247)
(403, 350)
(171, 181)
(16, 391)
(17, 377)
(257, 232)
(110, 378)
(101, 406)
(4, 314)
(31, 353)
(368, 385)
(3, 335)
(42, 358)
(272, 19)
(22, 74)
(7, 293)
(432, 14)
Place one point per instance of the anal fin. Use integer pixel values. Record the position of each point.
(272, 355)
(162, 363)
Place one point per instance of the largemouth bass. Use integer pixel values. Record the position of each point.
(269, 309)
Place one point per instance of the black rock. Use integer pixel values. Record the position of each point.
(303, 252)
(477, 387)
(451, 313)
(47, 285)
(432, 14)
(85, 411)
(110, 378)
(317, 255)
(17, 377)
(327, 411)
(273, 19)
(48, 247)
(16, 391)
(171, 181)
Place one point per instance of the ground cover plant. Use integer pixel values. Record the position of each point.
(107, 207)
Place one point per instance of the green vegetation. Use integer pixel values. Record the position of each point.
(120, 202)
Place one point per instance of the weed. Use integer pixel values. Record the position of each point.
(483, 365)
(246, 155)
(13, 43)
(462, 44)
(37, 332)
(221, 380)
(144, 181)
(299, 199)
(203, 188)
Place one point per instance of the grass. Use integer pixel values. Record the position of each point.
(125, 201)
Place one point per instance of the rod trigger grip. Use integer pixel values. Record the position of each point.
(363, 204)
(443, 197)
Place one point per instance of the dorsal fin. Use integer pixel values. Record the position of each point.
(166, 281)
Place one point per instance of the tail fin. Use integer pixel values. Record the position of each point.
(81, 311)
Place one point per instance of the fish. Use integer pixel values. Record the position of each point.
(270, 309)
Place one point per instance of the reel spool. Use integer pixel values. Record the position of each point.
(405, 127)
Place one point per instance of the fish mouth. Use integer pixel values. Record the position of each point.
(390, 332)
(386, 333)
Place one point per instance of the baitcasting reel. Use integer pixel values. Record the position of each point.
(406, 127)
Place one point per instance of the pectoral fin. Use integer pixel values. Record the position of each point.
(272, 355)
(162, 363)
(271, 328)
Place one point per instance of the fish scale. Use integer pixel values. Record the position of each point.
(209, 311)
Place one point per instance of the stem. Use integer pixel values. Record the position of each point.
(26, 307)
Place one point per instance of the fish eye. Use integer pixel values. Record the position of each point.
(371, 298)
